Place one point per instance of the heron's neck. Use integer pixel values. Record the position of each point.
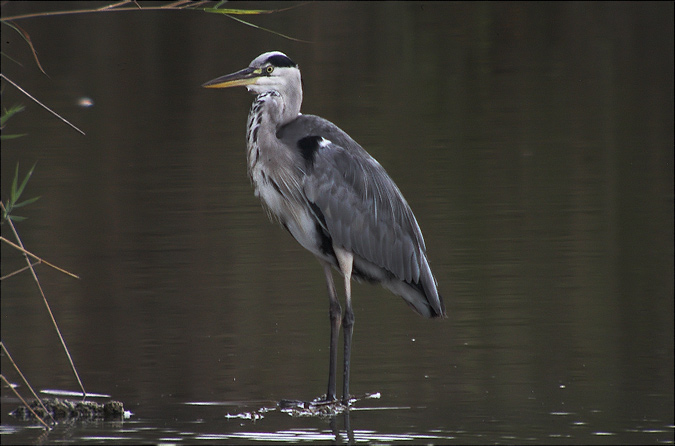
(272, 110)
(268, 113)
(292, 104)
(280, 108)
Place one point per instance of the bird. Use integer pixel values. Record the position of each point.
(334, 198)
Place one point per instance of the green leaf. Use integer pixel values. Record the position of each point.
(14, 181)
(231, 13)
(218, 10)
(9, 113)
(25, 202)
(238, 11)
(16, 192)
(17, 135)
(25, 180)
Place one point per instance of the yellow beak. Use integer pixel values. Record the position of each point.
(244, 77)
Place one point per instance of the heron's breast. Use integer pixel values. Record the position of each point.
(290, 212)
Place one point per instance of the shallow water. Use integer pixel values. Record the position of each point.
(534, 143)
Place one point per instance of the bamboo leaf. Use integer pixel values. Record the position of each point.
(12, 197)
(231, 13)
(25, 181)
(25, 202)
(14, 136)
(14, 109)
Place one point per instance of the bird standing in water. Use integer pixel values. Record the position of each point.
(334, 198)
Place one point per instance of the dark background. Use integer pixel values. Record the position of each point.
(533, 141)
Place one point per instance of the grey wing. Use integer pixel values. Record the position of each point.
(363, 211)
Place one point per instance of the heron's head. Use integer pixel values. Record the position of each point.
(269, 71)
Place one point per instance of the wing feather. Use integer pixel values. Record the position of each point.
(363, 211)
(348, 187)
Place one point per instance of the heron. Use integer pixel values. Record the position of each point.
(334, 198)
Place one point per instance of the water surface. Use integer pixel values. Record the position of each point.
(534, 142)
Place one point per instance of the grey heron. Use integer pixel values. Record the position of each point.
(334, 198)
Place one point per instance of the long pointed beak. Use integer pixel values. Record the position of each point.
(244, 77)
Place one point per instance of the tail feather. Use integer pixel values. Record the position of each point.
(427, 303)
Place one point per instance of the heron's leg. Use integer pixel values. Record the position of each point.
(346, 262)
(335, 313)
(348, 324)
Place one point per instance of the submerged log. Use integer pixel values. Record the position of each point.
(61, 409)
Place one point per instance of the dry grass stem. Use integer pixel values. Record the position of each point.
(16, 367)
(39, 260)
(24, 402)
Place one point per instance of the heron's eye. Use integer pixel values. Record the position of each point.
(269, 69)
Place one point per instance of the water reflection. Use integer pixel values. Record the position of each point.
(350, 427)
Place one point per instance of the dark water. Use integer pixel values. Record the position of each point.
(533, 141)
